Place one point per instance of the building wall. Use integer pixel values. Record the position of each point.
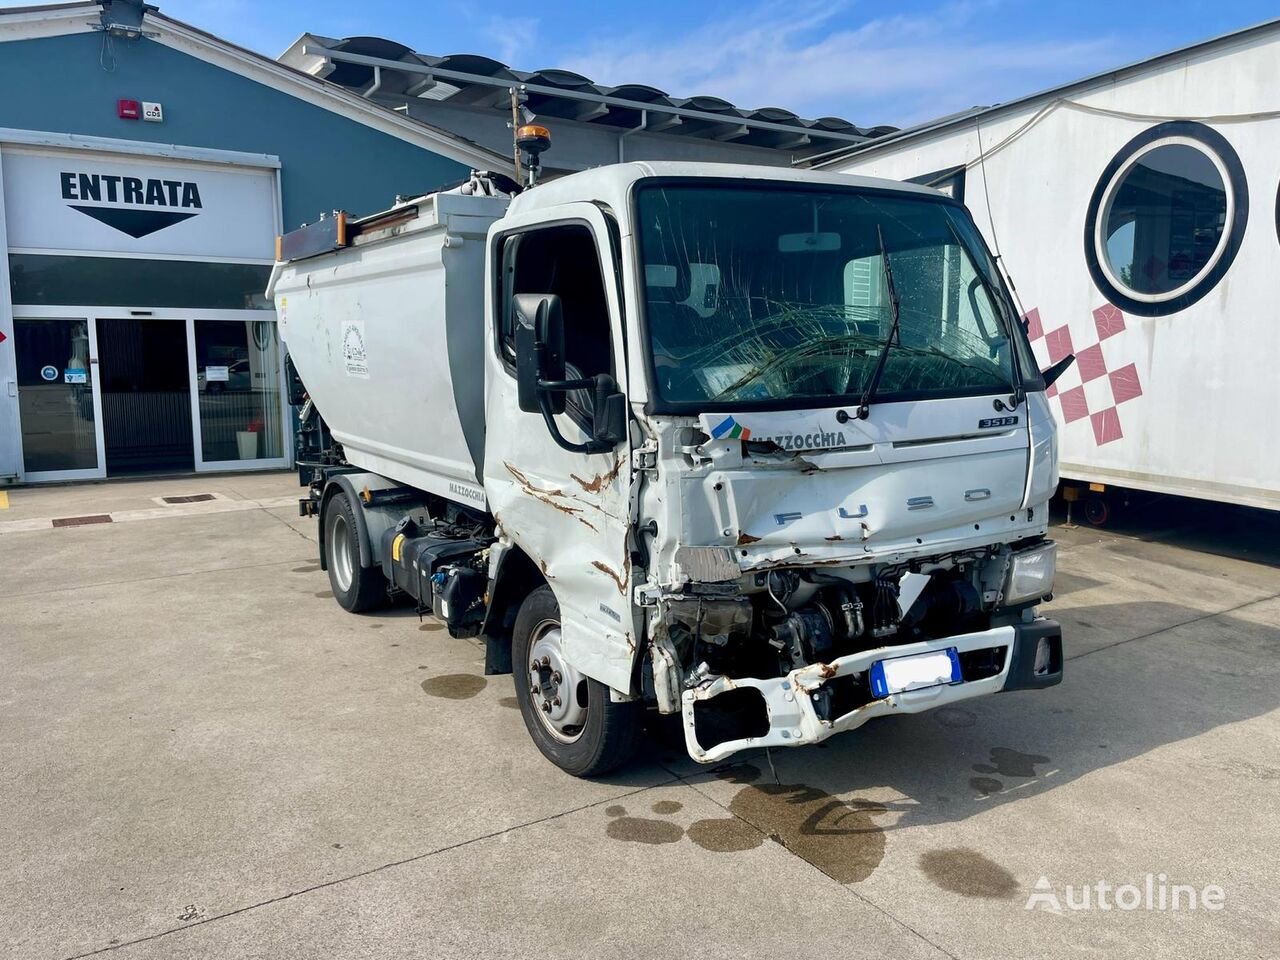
(60, 84)
(69, 85)
(1193, 414)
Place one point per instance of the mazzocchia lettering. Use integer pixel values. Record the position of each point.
(466, 492)
(807, 441)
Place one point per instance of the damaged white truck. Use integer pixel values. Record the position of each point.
(765, 449)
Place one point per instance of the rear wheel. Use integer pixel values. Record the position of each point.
(569, 715)
(356, 588)
(1097, 511)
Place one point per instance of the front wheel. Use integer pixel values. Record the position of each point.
(355, 587)
(570, 716)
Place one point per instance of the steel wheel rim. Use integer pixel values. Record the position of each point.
(340, 547)
(557, 692)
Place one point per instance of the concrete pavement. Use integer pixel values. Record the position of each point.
(201, 755)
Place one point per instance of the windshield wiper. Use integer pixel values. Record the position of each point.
(864, 407)
(798, 352)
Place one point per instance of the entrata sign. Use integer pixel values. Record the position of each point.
(149, 205)
(81, 202)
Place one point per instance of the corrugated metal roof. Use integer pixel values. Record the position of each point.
(466, 78)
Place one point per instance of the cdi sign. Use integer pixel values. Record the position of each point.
(80, 202)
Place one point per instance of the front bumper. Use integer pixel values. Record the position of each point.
(788, 700)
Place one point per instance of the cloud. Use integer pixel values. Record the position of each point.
(819, 59)
(513, 37)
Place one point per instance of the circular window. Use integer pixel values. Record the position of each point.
(1166, 218)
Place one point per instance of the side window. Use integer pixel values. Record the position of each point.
(976, 316)
(1166, 218)
(562, 260)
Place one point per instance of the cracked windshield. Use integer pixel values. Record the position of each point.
(758, 294)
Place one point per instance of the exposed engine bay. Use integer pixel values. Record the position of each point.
(782, 625)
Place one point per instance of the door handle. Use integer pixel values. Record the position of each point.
(13, 388)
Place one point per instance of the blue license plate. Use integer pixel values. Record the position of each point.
(916, 672)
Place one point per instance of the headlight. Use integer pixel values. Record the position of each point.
(1031, 574)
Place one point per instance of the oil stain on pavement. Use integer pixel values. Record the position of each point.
(1010, 763)
(1006, 763)
(641, 829)
(968, 873)
(837, 836)
(454, 686)
(986, 785)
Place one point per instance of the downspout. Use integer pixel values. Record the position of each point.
(377, 83)
(644, 123)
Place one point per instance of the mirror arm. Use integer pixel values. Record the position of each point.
(554, 430)
(591, 446)
(1057, 370)
(603, 385)
(565, 385)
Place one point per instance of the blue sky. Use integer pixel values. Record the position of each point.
(868, 62)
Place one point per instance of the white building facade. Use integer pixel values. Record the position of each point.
(1137, 213)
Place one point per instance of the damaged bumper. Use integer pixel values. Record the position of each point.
(1032, 659)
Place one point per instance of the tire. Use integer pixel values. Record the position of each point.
(1097, 511)
(356, 588)
(599, 735)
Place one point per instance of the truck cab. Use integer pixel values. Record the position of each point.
(764, 449)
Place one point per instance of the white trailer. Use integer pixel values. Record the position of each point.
(1137, 213)
(766, 449)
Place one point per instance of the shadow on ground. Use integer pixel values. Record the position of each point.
(1220, 529)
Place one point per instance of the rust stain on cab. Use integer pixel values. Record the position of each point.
(612, 575)
(602, 480)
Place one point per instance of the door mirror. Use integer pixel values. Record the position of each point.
(540, 375)
(539, 327)
(1057, 370)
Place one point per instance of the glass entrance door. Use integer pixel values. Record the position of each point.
(57, 398)
(146, 395)
(239, 406)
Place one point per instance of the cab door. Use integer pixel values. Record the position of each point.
(568, 511)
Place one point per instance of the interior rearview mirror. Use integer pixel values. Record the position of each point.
(539, 328)
(808, 242)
